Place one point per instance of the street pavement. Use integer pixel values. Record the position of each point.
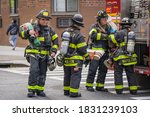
(13, 84)
(9, 56)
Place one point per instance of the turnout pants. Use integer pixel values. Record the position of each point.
(37, 75)
(102, 70)
(72, 80)
(118, 71)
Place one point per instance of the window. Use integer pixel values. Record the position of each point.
(63, 22)
(0, 16)
(0, 22)
(13, 6)
(64, 6)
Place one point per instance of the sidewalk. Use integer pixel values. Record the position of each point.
(9, 56)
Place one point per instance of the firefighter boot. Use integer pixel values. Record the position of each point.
(91, 89)
(133, 92)
(119, 91)
(31, 94)
(75, 94)
(101, 89)
(41, 93)
(66, 92)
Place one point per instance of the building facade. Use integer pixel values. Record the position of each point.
(61, 13)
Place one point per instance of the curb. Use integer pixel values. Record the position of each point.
(6, 64)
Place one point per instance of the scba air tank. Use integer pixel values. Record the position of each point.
(65, 43)
(131, 42)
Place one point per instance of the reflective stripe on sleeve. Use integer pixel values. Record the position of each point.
(55, 36)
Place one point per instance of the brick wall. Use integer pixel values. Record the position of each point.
(93, 3)
(29, 8)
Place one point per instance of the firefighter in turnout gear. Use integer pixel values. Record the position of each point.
(73, 56)
(124, 57)
(43, 45)
(98, 34)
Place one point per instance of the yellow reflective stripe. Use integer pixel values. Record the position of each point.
(93, 30)
(32, 87)
(40, 88)
(55, 46)
(72, 64)
(66, 88)
(55, 36)
(22, 34)
(132, 63)
(99, 85)
(76, 57)
(33, 51)
(44, 52)
(74, 90)
(36, 87)
(124, 57)
(37, 51)
(89, 84)
(41, 38)
(118, 86)
(112, 37)
(98, 36)
(81, 45)
(85, 55)
(93, 48)
(122, 44)
(72, 45)
(133, 87)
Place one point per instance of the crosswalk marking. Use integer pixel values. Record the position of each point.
(58, 74)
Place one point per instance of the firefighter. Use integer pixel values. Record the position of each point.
(98, 34)
(43, 45)
(124, 56)
(73, 56)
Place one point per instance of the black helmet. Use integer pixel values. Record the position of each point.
(43, 14)
(101, 14)
(125, 21)
(78, 19)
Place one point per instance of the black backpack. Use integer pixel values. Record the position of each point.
(14, 30)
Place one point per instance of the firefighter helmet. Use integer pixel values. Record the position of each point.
(101, 14)
(125, 21)
(51, 63)
(78, 19)
(43, 14)
(59, 60)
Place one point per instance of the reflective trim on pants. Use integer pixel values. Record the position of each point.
(36, 87)
(118, 86)
(89, 84)
(66, 88)
(72, 90)
(99, 85)
(133, 88)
